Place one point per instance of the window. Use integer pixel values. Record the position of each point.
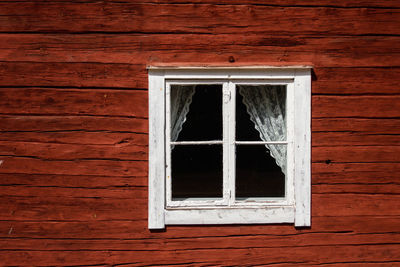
(229, 145)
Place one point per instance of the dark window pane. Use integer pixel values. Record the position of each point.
(196, 171)
(266, 105)
(257, 172)
(204, 119)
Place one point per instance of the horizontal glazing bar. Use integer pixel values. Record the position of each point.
(261, 142)
(197, 143)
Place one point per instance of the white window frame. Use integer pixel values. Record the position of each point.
(294, 208)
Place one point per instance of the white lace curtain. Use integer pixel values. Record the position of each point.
(181, 98)
(265, 104)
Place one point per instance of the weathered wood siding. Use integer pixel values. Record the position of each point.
(74, 128)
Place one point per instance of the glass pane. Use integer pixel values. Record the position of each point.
(258, 171)
(261, 112)
(196, 171)
(196, 112)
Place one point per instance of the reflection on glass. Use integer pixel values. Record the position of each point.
(196, 171)
(260, 171)
(196, 112)
(261, 112)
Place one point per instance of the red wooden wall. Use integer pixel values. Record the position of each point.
(73, 122)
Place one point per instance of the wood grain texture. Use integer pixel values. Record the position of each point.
(109, 167)
(72, 75)
(132, 103)
(120, 151)
(357, 154)
(326, 138)
(135, 229)
(327, 80)
(52, 101)
(78, 136)
(74, 128)
(283, 3)
(300, 254)
(356, 106)
(38, 124)
(212, 242)
(356, 125)
(138, 48)
(189, 18)
(81, 208)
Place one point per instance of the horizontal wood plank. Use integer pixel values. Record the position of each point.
(353, 139)
(73, 75)
(356, 81)
(107, 167)
(55, 101)
(38, 158)
(288, 3)
(356, 106)
(349, 168)
(361, 177)
(46, 151)
(326, 80)
(126, 151)
(72, 181)
(366, 187)
(96, 185)
(355, 204)
(140, 49)
(136, 229)
(114, 138)
(73, 123)
(356, 154)
(73, 208)
(128, 191)
(133, 103)
(61, 126)
(258, 256)
(80, 137)
(134, 190)
(208, 18)
(163, 244)
(44, 208)
(367, 125)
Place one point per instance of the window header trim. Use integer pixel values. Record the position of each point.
(226, 67)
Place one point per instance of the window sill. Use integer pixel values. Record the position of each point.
(236, 215)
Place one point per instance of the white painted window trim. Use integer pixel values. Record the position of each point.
(294, 209)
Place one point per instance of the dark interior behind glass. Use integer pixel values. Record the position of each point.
(196, 171)
(204, 120)
(257, 174)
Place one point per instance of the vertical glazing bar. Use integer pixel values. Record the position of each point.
(225, 137)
